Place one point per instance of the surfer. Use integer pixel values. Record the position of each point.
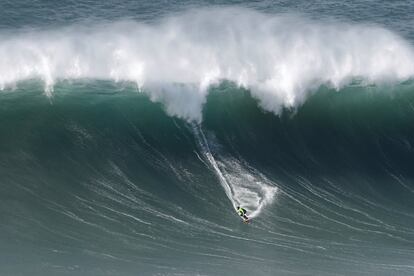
(242, 212)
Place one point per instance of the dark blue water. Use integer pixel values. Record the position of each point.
(396, 15)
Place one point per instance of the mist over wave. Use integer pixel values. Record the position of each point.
(280, 58)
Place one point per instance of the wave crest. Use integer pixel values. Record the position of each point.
(281, 59)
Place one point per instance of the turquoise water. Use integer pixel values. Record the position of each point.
(129, 132)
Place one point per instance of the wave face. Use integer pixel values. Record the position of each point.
(150, 134)
(281, 59)
(101, 180)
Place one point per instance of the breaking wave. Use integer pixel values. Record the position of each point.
(282, 59)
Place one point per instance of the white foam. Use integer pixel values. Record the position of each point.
(244, 186)
(250, 189)
(280, 58)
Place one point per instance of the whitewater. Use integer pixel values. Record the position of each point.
(280, 58)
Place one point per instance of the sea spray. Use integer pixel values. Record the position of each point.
(280, 58)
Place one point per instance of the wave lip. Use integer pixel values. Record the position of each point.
(282, 59)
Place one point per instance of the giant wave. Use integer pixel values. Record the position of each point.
(101, 179)
(151, 133)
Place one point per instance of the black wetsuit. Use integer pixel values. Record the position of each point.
(242, 213)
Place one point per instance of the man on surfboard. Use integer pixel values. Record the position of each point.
(242, 212)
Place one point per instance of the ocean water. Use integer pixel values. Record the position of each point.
(130, 131)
